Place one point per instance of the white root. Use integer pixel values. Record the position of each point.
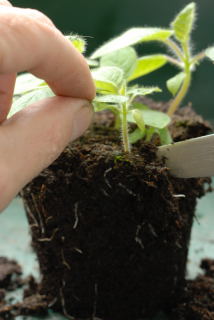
(105, 178)
(64, 262)
(127, 189)
(49, 239)
(76, 205)
(41, 222)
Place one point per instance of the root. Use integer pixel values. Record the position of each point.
(127, 189)
(41, 222)
(76, 205)
(137, 239)
(63, 304)
(152, 230)
(33, 218)
(179, 195)
(64, 262)
(49, 239)
(77, 250)
(105, 178)
(52, 303)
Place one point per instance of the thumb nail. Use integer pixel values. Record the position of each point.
(82, 120)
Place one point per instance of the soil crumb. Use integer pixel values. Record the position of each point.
(10, 272)
(197, 302)
(10, 280)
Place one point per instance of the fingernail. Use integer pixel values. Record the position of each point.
(82, 120)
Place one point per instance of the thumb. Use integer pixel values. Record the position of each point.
(35, 136)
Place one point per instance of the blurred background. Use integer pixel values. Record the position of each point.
(100, 20)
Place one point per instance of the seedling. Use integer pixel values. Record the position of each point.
(116, 64)
(178, 39)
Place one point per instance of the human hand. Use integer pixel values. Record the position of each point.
(35, 136)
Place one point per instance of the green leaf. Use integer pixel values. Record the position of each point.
(152, 118)
(27, 82)
(131, 37)
(139, 106)
(99, 106)
(125, 59)
(78, 42)
(138, 118)
(30, 98)
(175, 83)
(148, 64)
(184, 21)
(165, 136)
(209, 52)
(92, 63)
(115, 99)
(108, 79)
(136, 135)
(142, 91)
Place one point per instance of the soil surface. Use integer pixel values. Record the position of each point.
(111, 231)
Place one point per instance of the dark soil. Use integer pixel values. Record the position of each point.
(197, 301)
(111, 231)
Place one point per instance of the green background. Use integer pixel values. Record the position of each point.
(100, 20)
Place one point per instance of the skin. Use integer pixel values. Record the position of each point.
(35, 136)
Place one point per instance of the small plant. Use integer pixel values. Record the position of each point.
(116, 64)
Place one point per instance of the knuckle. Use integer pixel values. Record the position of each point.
(38, 15)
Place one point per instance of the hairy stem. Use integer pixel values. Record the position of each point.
(124, 127)
(198, 57)
(186, 83)
(175, 48)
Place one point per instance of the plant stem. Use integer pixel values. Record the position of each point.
(186, 83)
(175, 62)
(124, 127)
(181, 94)
(175, 48)
(198, 57)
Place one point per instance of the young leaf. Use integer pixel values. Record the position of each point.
(131, 37)
(209, 52)
(175, 83)
(100, 106)
(30, 98)
(136, 135)
(184, 21)
(27, 82)
(78, 42)
(125, 58)
(108, 79)
(115, 99)
(92, 63)
(152, 118)
(138, 118)
(148, 64)
(142, 91)
(165, 136)
(139, 106)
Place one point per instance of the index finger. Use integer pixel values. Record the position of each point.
(28, 44)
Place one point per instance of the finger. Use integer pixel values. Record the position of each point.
(34, 137)
(5, 3)
(7, 83)
(29, 44)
